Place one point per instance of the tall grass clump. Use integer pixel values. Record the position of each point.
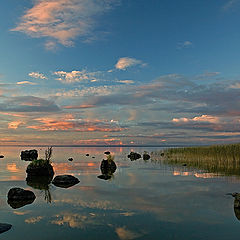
(217, 158)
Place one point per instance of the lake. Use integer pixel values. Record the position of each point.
(142, 200)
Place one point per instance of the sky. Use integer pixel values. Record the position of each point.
(119, 72)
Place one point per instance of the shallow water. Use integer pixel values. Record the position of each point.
(143, 200)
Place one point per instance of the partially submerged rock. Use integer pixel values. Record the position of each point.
(29, 155)
(107, 152)
(18, 197)
(134, 156)
(40, 168)
(146, 156)
(70, 159)
(65, 181)
(5, 227)
(108, 167)
(1, 156)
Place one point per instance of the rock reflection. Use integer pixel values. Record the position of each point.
(108, 167)
(41, 183)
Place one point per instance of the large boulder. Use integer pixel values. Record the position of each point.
(29, 155)
(5, 227)
(107, 169)
(39, 168)
(18, 197)
(134, 156)
(65, 181)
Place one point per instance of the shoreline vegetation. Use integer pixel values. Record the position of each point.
(220, 159)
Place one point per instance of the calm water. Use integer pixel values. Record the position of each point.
(144, 200)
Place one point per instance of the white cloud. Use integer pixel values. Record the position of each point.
(25, 82)
(37, 75)
(126, 62)
(126, 81)
(62, 20)
(76, 76)
(230, 4)
(185, 44)
(202, 118)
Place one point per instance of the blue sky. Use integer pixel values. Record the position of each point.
(119, 72)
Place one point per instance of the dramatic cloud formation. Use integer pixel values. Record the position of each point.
(62, 20)
(37, 75)
(126, 62)
(69, 123)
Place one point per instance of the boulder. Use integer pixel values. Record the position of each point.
(87, 154)
(5, 227)
(107, 152)
(134, 156)
(39, 168)
(70, 159)
(1, 156)
(65, 181)
(29, 155)
(18, 197)
(146, 156)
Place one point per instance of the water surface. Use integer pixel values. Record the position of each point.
(143, 200)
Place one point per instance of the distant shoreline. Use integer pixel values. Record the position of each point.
(100, 146)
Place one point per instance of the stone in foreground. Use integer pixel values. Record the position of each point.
(4, 227)
(18, 197)
(65, 181)
(146, 156)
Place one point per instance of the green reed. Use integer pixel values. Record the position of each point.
(224, 159)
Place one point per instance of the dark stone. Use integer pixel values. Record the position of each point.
(5, 227)
(162, 154)
(29, 155)
(108, 167)
(107, 152)
(65, 181)
(70, 159)
(184, 164)
(1, 156)
(134, 156)
(18, 197)
(146, 156)
(87, 154)
(39, 170)
(93, 157)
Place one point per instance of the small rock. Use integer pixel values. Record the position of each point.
(184, 164)
(5, 227)
(134, 156)
(65, 181)
(87, 154)
(70, 159)
(1, 156)
(146, 156)
(107, 152)
(162, 154)
(93, 157)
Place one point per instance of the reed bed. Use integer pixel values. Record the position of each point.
(223, 159)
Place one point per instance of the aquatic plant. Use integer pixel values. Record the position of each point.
(48, 154)
(223, 159)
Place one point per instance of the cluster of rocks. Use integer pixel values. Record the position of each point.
(29, 155)
(135, 156)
